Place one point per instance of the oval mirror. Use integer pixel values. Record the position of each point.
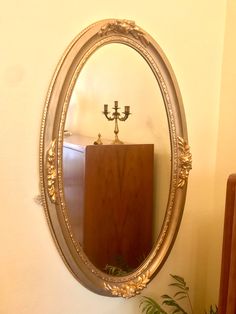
(127, 214)
(114, 202)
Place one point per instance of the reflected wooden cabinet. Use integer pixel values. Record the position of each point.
(109, 196)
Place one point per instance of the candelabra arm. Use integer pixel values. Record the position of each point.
(107, 116)
(125, 117)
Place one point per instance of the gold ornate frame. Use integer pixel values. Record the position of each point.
(51, 140)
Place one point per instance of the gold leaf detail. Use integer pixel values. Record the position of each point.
(51, 172)
(130, 289)
(185, 161)
(125, 27)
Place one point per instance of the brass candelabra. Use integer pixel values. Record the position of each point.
(116, 116)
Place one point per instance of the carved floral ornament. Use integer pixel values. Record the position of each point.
(185, 161)
(130, 289)
(51, 141)
(51, 172)
(124, 27)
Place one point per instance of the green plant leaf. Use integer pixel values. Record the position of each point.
(150, 306)
(213, 311)
(179, 279)
(181, 295)
(166, 296)
(114, 271)
(180, 283)
(181, 298)
(176, 311)
(169, 301)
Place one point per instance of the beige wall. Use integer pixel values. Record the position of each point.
(226, 147)
(33, 36)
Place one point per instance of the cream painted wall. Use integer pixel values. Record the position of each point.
(33, 36)
(226, 147)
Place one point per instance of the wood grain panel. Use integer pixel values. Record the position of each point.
(227, 299)
(73, 176)
(118, 204)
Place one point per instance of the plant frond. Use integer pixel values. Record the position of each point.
(175, 284)
(114, 271)
(179, 279)
(181, 293)
(212, 310)
(150, 306)
(179, 283)
(176, 311)
(181, 298)
(169, 301)
(166, 296)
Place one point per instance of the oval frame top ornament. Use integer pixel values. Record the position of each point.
(51, 141)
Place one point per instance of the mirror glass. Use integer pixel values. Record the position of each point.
(116, 195)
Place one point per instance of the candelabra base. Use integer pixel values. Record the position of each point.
(117, 141)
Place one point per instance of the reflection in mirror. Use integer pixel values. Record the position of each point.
(116, 195)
